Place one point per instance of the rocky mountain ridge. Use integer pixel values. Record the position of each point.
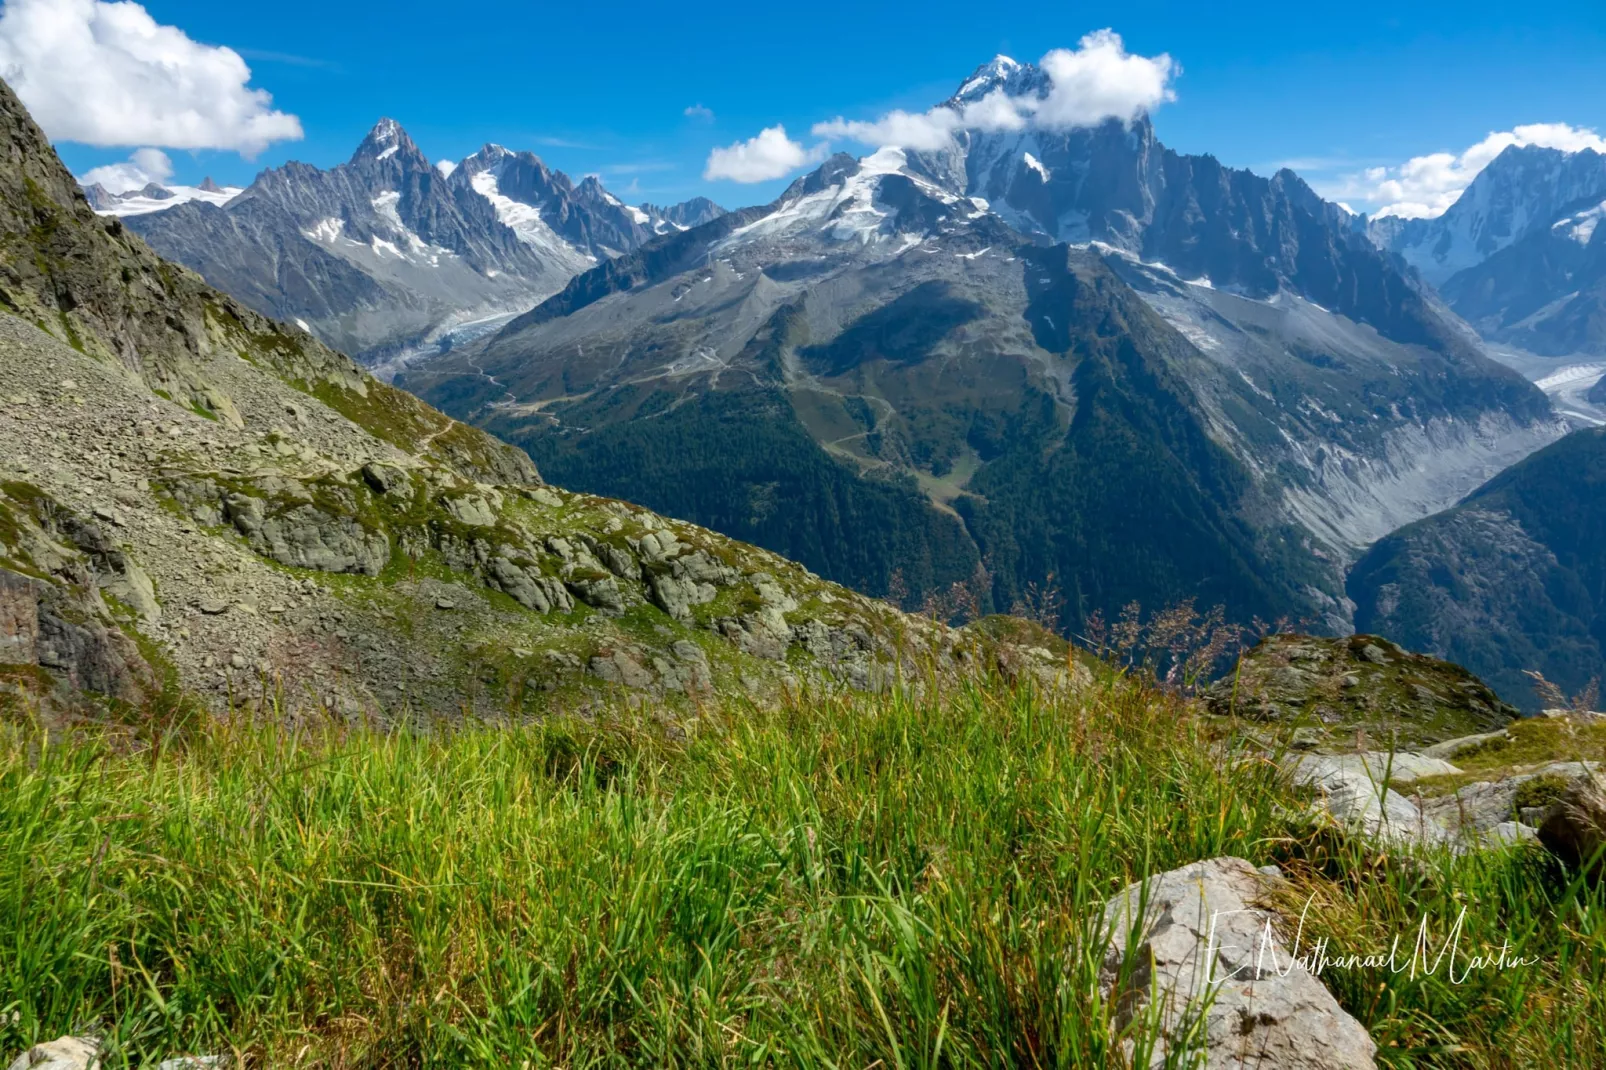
(1524, 190)
(1519, 255)
(381, 252)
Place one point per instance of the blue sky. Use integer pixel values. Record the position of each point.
(606, 88)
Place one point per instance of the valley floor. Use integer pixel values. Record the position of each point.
(861, 880)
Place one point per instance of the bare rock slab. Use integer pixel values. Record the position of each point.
(1206, 958)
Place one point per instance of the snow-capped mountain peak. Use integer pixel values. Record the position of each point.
(1522, 191)
(387, 139)
(994, 74)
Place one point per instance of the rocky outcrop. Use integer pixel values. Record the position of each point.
(1484, 805)
(1330, 689)
(1198, 942)
(1574, 827)
(54, 616)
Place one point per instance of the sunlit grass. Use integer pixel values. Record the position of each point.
(858, 881)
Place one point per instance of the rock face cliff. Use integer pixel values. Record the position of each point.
(197, 499)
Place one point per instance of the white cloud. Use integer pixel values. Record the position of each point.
(1425, 186)
(1102, 80)
(1098, 80)
(700, 113)
(446, 167)
(139, 170)
(923, 131)
(109, 74)
(758, 159)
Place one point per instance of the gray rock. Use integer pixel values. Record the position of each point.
(1357, 799)
(1451, 748)
(1575, 828)
(1202, 935)
(19, 619)
(194, 1062)
(1482, 806)
(474, 510)
(304, 536)
(1509, 832)
(1400, 767)
(600, 593)
(132, 586)
(676, 595)
(620, 667)
(525, 583)
(63, 1053)
(384, 478)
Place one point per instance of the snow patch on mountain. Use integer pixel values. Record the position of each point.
(326, 231)
(525, 220)
(1581, 227)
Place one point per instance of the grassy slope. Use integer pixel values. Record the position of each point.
(852, 882)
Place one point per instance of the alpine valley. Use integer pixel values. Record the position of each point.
(1060, 367)
(1073, 354)
(888, 626)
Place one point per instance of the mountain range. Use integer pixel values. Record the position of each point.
(1520, 255)
(387, 251)
(196, 501)
(1064, 365)
(1070, 357)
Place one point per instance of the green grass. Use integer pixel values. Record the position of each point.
(888, 881)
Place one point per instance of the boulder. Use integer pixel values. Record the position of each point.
(1453, 748)
(1204, 947)
(63, 1053)
(1356, 798)
(304, 536)
(1574, 829)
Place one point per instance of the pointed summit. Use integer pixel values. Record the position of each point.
(1000, 72)
(385, 140)
(208, 186)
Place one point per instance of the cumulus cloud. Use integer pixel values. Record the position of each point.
(1098, 80)
(1101, 80)
(109, 74)
(139, 170)
(1425, 186)
(758, 159)
(700, 113)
